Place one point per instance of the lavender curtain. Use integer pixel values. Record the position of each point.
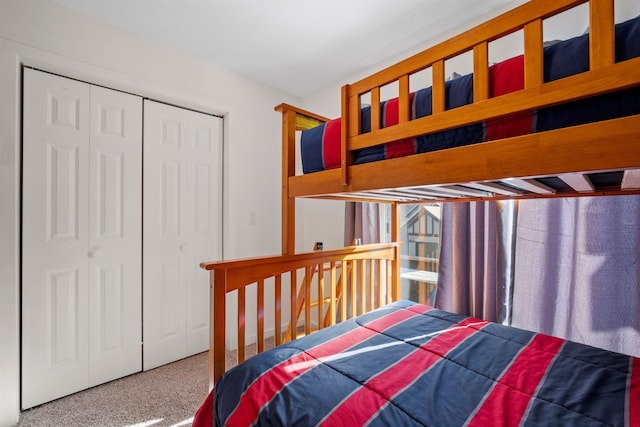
(577, 271)
(362, 221)
(475, 275)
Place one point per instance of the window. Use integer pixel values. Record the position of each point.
(420, 233)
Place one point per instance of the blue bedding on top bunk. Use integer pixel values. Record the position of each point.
(320, 146)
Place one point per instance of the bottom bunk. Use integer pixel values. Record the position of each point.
(410, 364)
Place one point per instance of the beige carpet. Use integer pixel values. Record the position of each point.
(165, 396)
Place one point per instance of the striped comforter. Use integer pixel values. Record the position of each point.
(408, 364)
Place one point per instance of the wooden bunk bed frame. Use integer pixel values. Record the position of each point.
(465, 173)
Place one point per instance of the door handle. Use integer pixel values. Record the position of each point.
(93, 252)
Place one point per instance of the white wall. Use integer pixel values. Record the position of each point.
(48, 36)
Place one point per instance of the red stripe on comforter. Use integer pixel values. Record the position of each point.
(376, 393)
(265, 387)
(507, 402)
(634, 393)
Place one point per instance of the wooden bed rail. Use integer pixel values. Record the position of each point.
(563, 153)
(529, 18)
(323, 296)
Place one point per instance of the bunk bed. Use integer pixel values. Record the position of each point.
(364, 357)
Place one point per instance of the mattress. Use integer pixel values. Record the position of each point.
(408, 364)
(320, 146)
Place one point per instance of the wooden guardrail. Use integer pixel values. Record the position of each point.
(336, 285)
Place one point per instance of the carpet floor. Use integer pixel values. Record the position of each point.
(166, 396)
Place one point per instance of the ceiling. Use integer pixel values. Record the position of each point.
(298, 46)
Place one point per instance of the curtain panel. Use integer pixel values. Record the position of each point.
(577, 271)
(476, 257)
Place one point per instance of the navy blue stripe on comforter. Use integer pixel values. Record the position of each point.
(408, 364)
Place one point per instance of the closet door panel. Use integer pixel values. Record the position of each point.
(115, 235)
(182, 216)
(164, 235)
(54, 237)
(205, 184)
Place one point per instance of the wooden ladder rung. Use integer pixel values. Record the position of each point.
(314, 303)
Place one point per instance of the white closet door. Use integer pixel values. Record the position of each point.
(55, 239)
(182, 217)
(76, 313)
(115, 235)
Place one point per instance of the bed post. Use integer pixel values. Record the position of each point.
(345, 131)
(217, 325)
(292, 119)
(395, 237)
(288, 170)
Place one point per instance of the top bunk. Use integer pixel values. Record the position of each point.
(560, 120)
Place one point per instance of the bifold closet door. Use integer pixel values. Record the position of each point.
(81, 236)
(182, 228)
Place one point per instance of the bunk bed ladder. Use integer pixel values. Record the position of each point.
(304, 301)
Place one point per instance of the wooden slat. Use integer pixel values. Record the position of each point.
(353, 106)
(404, 107)
(377, 196)
(293, 298)
(395, 265)
(320, 296)
(346, 267)
(241, 324)
(495, 188)
(363, 290)
(438, 89)
(533, 54)
(439, 192)
(381, 283)
(371, 286)
(532, 185)
(307, 300)
(353, 282)
(333, 285)
(579, 182)
(463, 190)
(260, 315)
(602, 33)
(405, 194)
(391, 286)
(278, 309)
(375, 108)
(631, 179)
(481, 71)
